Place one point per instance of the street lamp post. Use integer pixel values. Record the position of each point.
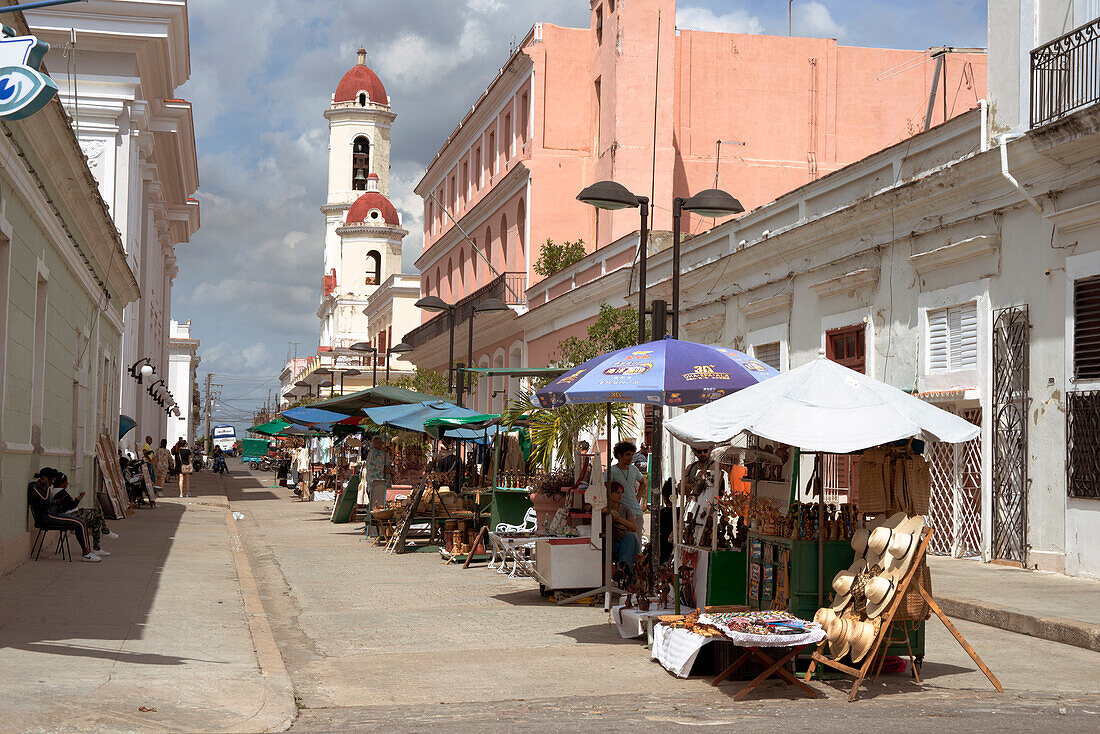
(708, 203)
(611, 196)
(437, 304)
(489, 305)
(349, 373)
(401, 348)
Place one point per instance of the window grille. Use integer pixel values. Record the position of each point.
(1083, 444)
(1086, 329)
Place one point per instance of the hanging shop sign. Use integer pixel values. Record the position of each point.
(23, 89)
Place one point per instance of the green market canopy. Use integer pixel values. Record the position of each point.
(270, 429)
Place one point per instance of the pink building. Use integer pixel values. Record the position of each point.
(666, 113)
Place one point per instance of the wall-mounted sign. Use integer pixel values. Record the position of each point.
(23, 89)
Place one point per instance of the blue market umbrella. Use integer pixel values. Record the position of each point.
(412, 417)
(125, 425)
(664, 372)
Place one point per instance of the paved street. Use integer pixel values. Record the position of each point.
(370, 640)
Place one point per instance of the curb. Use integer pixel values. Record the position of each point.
(1055, 629)
(278, 710)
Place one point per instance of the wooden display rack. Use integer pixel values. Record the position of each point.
(881, 637)
(117, 498)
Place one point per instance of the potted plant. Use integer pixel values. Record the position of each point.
(548, 494)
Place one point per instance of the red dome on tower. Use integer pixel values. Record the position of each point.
(360, 211)
(360, 78)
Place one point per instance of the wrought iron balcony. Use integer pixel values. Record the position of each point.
(508, 287)
(1065, 74)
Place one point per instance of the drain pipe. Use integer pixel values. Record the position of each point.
(984, 107)
(1004, 138)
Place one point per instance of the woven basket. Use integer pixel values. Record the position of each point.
(918, 485)
(872, 487)
(913, 607)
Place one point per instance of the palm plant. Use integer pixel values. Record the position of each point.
(555, 434)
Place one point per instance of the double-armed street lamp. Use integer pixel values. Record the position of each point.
(435, 303)
(611, 196)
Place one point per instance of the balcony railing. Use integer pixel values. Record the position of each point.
(1065, 74)
(508, 287)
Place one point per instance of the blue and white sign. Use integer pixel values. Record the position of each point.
(23, 89)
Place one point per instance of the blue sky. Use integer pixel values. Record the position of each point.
(262, 72)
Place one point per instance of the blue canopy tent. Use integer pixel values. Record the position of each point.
(412, 418)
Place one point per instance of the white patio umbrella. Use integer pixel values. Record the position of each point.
(821, 406)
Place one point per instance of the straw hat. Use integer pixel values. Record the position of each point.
(861, 635)
(898, 556)
(879, 538)
(839, 638)
(859, 541)
(842, 586)
(824, 616)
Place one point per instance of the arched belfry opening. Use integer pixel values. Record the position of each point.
(374, 268)
(360, 163)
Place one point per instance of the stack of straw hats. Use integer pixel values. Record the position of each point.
(864, 590)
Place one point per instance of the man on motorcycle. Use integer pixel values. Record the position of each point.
(219, 461)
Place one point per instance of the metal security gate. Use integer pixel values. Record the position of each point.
(955, 508)
(1011, 347)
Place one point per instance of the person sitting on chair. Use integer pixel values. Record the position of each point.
(47, 518)
(92, 517)
(624, 527)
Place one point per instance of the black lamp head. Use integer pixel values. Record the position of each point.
(712, 203)
(433, 303)
(608, 195)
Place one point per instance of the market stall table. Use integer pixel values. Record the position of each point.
(677, 648)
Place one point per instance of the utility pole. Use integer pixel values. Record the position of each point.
(209, 410)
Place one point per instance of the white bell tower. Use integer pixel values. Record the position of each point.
(359, 120)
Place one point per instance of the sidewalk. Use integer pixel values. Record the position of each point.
(167, 622)
(1041, 604)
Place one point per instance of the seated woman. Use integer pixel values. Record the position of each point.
(46, 516)
(625, 544)
(92, 517)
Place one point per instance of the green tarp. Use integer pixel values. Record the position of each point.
(436, 427)
(269, 429)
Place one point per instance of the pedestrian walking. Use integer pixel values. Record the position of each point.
(183, 454)
(162, 463)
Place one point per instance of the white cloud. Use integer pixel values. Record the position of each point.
(814, 19)
(485, 6)
(705, 19)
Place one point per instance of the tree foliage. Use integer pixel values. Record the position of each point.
(555, 434)
(554, 257)
(614, 328)
(426, 381)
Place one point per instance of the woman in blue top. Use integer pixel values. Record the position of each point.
(627, 474)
